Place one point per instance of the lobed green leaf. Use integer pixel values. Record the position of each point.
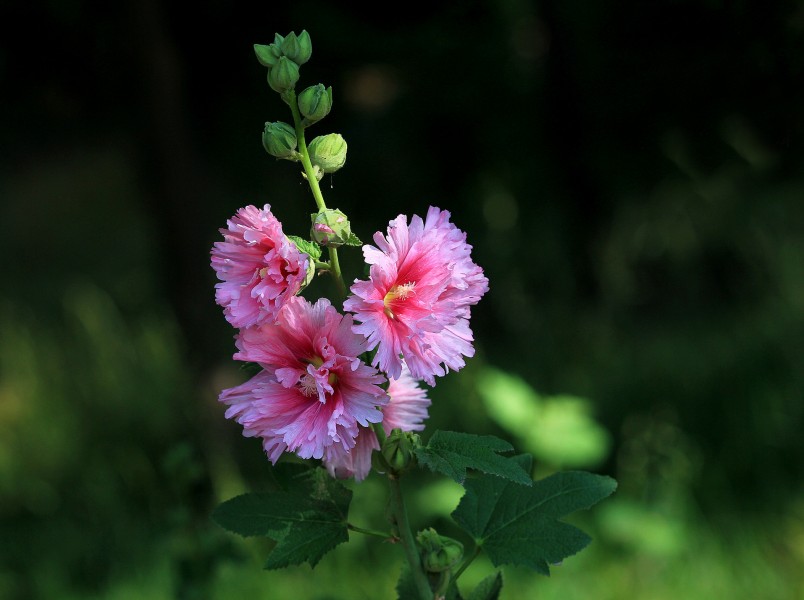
(519, 525)
(306, 522)
(488, 589)
(312, 249)
(452, 453)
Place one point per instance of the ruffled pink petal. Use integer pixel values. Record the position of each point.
(406, 410)
(415, 304)
(259, 268)
(314, 391)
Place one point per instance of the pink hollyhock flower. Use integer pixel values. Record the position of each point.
(259, 268)
(416, 302)
(314, 392)
(406, 410)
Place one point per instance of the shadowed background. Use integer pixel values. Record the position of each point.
(630, 177)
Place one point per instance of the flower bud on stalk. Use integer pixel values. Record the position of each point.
(297, 48)
(330, 228)
(439, 553)
(267, 55)
(398, 449)
(315, 102)
(328, 152)
(283, 75)
(279, 140)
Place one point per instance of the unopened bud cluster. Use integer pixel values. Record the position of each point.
(283, 58)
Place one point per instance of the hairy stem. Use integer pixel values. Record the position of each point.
(374, 532)
(290, 98)
(406, 535)
(335, 266)
(336, 271)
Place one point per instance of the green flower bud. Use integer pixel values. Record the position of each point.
(328, 152)
(315, 102)
(283, 75)
(279, 140)
(330, 228)
(398, 449)
(299, 49)
(439, 553)
(291, 47)
(278, 39)
(305, 48)
(267, 55)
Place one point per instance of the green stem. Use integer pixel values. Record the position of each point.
(374, 532)
(409, 544)
(314, 187)
(378, 429)
(336, 270)
(305, 155)
(466, 562)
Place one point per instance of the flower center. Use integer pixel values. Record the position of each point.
(307, 384)
(398, 292)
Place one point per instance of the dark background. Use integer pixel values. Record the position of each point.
(629, 174)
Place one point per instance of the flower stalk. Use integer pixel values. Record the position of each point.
(312, 180)
(406, 536)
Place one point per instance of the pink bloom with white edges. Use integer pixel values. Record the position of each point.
(314, 392)
(416, 302)
(406, 410)
(260, 269)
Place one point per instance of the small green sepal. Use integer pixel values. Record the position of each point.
(279, 140)
(353, 241)
(328, 152)
(283, 75)
(315, 102)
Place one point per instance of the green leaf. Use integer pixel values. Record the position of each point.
(353, 240)
(306, 522)
(451, 453)
(312, 249)
(519, 525)
(488, 589)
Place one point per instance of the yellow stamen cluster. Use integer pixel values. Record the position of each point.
(398, 292)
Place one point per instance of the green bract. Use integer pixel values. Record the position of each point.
(328, 152)
(315, 102)
(283, 75)
(279, 140)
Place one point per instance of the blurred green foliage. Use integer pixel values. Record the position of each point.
(629, 174)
